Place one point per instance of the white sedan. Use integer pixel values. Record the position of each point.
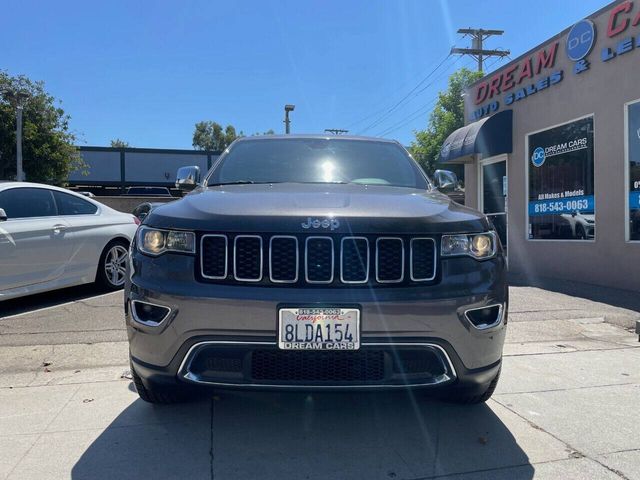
(53, 238)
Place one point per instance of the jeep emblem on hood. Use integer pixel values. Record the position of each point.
(331, 223)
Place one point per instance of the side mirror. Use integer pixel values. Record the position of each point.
(445, 180)
(187, 178)
(3, 215)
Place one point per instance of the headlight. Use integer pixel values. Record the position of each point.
(476, 245)
(155, 242)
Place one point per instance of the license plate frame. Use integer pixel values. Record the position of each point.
(332, 322)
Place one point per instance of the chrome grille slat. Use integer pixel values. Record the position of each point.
(420, 257)
(379, 266)
(243, 258)
(316, 253)
(275, 272)
(207, 256)
(359, 263)
(241, 264)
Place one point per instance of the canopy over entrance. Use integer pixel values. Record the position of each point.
(490, 136)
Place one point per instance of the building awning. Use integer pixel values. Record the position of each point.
(489, 136)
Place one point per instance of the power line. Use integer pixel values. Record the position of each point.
(437, 78)
(414, 115)
(386, 108)
(406, 119)
(403, 99)
(409, 118)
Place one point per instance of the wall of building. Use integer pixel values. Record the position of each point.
(106, 166)
(602, 91)
(127, 204)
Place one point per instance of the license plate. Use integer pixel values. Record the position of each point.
(319, 328)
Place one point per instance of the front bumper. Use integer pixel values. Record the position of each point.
(428, 320)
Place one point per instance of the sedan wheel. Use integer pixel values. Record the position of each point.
(113, 269)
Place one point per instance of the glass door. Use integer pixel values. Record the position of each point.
(493, 193)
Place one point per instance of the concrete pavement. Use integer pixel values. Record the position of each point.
(566, 407)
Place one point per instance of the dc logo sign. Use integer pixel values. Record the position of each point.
(538, 157)
(580, 40)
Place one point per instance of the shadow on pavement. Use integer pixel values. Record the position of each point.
(307, 436)
(30, 303)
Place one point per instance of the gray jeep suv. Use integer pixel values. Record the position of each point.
(314, 262)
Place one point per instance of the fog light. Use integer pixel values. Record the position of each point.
(149, 314)
(485, 317)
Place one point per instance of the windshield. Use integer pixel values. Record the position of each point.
(318, 160)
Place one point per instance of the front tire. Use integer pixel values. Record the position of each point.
(112, 268)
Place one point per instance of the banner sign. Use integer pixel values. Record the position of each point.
(561, 196)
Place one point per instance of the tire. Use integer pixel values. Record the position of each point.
(580, 234)
(112, 267)
(466, 397)
(155, 395)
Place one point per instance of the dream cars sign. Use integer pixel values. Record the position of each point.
(633, 138)
(537, 72)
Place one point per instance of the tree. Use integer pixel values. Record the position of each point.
(48, 150)
(209, 135)
(268, 132)
(117, 143)
(446, 117)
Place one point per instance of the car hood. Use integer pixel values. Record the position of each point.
(285, 207)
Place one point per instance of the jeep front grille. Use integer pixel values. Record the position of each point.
(336, 260)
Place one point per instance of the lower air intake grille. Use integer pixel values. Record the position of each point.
(277, 365)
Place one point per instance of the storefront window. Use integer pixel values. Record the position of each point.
(633, 149)
(561, 196)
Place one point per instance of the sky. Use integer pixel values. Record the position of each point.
(146, 72)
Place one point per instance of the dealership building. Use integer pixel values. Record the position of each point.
(551, 152)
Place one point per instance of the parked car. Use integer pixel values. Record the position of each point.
(142, 210)
(52, 238)
(582, 225)
(307, 262)
(148, 192)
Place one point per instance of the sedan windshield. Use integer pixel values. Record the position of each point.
(318, 160)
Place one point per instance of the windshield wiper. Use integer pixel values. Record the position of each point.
(238, 182)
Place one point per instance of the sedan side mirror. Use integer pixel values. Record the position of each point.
(445, 180)
(3, 215)
(187, 178)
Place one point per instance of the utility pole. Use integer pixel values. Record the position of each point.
(478, 36)
(336, 131)
(17, 99)
(287, 123)
(19, 172)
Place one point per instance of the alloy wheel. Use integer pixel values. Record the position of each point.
(115, 265)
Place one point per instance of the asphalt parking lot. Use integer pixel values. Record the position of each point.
(566, 407)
